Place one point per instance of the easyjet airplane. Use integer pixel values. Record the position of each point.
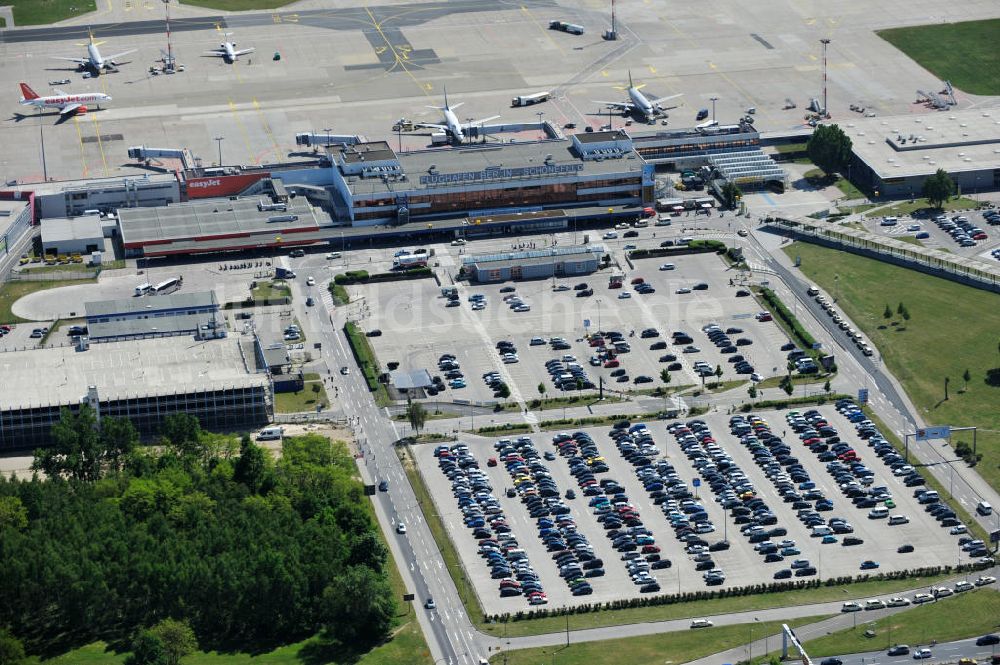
(65, 103)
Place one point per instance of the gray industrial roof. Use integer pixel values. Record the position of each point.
(163, 325)
(560, 253)
(213, 217)
(57, 230)
(276, 355)
(9, 211)
(920, 144)
(601, 137)
(510, 160)
(409, 379)
(150, 303)
(160, 366)
(376, 151)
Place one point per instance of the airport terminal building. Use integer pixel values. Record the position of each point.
(375, 185)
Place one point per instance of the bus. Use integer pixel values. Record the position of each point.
(143, 289)
(168, 286)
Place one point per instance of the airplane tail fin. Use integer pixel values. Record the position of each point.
(27, 92)
(446, 96)
(630, 84)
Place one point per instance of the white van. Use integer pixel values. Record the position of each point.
(984, 508)
(270, 434)
(812, 291)
(878, 513)
(898, 519)
(332, 255)
(889, 221)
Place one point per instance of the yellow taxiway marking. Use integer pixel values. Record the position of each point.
(267, 129)
(100, 143)
(400, 59)
(244, 132)
(83, 155)
(545, 31)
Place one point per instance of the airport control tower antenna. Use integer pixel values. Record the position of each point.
(169, 64)
(826, 109)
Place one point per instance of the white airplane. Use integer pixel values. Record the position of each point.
(65, 103)
(94, 60)
(227, 50)
(638, 103)
(451, 125)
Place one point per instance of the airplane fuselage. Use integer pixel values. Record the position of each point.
(640, 103)
(454, 126)
(59, 101)
(94, 56)
(230, 51)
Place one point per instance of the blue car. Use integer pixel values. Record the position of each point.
(830, 539)
(869, 565)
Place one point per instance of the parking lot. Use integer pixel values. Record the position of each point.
(549, 320)
(947, 233)
(650, 468)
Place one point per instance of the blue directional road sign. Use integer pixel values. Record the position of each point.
(940, 432)
(863, 395)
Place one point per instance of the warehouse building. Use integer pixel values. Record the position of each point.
(534, 264)
(894, 155)
(155, 316)
(71, 198)
(77, 235)
(374, 185)
(144, 381)
(216, 225)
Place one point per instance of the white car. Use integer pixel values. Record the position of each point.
(701, 623)
(943, 592)
(874, 604)
(667, 266)
(921, 598)
(310, 281)
(962, 585)
(898, 601)
(561, 287)
(400, 528)
(683, 289)
(958, 529)
(610, 235)
(755, 377)
(851, 607)
(624, 295)
(985, 579)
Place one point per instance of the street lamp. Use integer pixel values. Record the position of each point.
(599, 302)
(219, 140)
(41, 136)
(714, 99)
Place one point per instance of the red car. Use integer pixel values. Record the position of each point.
(638, 280)
(650, 549)
(491, 461)
(980, 236)
(648, 212)
(611, 363)
(764, 316)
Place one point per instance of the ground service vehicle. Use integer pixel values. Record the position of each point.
(571, 28)
(528, 100)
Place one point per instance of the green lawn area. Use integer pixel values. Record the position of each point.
(367, 361)
(968, 614)
(11, 292)
(340, 294)
(817, 178)
(238, 5)
(271, 290)
(677, 647)
(38, 12)
(304, 400)
(907, 207)
(790, 147)
(797, 379)
(952, 328)
(964, 53)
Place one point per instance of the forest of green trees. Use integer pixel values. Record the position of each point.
(204, 538)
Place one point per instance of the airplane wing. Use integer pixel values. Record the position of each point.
(667, 98)
(624, 106)
(484, 120)
(81, 61)
(69, 108)
(244, 51)
(430, 125)
(217, 52)
(118, 55)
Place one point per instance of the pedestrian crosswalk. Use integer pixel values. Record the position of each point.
(327, 299)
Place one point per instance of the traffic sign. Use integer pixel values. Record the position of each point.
(696, 482)
(586, 323)
(940, 432)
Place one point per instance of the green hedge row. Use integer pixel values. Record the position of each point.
(805, 339)
(362, 276)
(363, 354)
(677, 251)
(794, 401)
(751, 590)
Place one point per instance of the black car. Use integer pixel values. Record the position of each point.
(899, 650)
(507, 289)
(783, 574)
(630, 234)
(987, 640)
(383, 486)
(374, 333)
(580, 287)
(831, 661)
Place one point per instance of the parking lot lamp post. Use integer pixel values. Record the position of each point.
(219, 140)
(598, 302)
(714, 99)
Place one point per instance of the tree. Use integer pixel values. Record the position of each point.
(829, 148)
(900, 308)
(826, 386)
(665, 376)
(119, 439)
(946, 382)
(359, 606)
(906, 314)
(787, 385)
(967, 376)
(541, 389)
(11, 649)
(76, 448)
(752, 391)
(417, 415)
(183, 435)
(731, 195)
(718, 373)
(938, 188)
(13, 514)
(251, 466)
(177, 638)
(887, 314)
(147, 649)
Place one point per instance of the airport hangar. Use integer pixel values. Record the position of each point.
(895, 154)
